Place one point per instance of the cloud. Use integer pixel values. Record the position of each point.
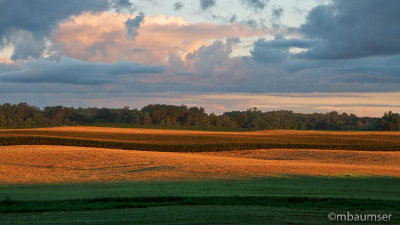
(207, 59)
(132, 26)
(280, 42)
(366, 104)
(206, 4)
(178, 5)
(256, 4)
(124, 6)
(278, 49)
(7, 65)
(350, 29)
(233, 19)
(210, 67)
(38, 18)
(103, 37)
(263, 51)
(252, 23)
(26, 45)
(200, 57)
(72, 71)
(277, 13)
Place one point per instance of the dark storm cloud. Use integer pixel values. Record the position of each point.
(38, 17)
(206, 4)
(356, 28)
(178, 5)
(74, 71)
(132, 26)
(256, 4)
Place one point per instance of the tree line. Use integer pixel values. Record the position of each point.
(24, 115)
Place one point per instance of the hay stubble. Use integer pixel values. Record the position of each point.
(64, 164)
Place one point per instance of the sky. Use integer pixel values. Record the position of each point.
(300, 55)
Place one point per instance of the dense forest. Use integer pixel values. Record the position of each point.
(24, 115)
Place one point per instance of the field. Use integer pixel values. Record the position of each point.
(55, 164)
(200, 141)
(94, 175)
(276, 200)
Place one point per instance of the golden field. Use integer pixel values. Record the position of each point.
(65, 164)
(175, 139)
(79, 161)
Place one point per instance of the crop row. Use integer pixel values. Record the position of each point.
(40, 140)
(323, 138)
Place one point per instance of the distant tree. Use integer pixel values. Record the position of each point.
(391, 121)
(147, 119)
(24, 115)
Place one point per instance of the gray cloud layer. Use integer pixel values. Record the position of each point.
(74, 71)
(349, 50)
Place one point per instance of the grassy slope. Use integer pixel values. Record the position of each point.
(184, 215)
(295, 200)
(356, 187)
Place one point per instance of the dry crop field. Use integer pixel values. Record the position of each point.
(58, 164)
(200, 141)
(36, 163)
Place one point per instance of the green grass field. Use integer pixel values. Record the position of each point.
(284, 200)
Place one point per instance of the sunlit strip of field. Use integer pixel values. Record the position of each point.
(186, 141)
(60, 164)
(316, 156)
